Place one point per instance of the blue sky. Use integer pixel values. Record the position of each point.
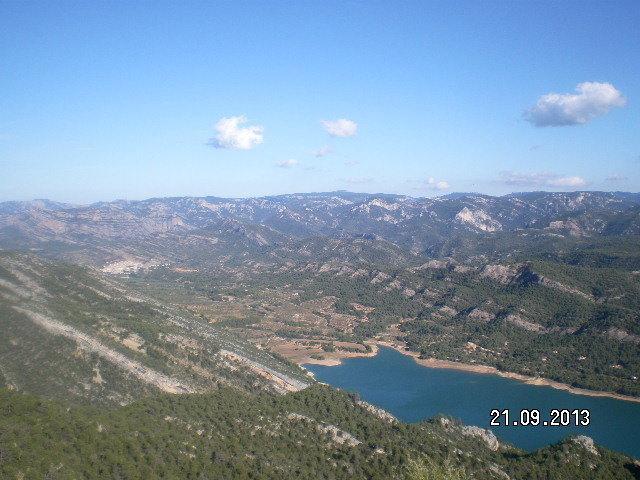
(122, 99)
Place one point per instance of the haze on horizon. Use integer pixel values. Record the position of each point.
(246, 99)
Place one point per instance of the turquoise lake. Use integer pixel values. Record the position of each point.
(412, 393)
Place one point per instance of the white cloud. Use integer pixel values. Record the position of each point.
(357, 180)
(592, 100)
(322, 151)
(616, 178)
(433, 184)
(340, 128)
(290, 163)
(541, 179)
(231, 135)
(567, 182)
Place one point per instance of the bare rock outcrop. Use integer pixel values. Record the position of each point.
(480, 315)
(478, 219)
(487, 436)
(518, 321)
(503, 274)
(377, 411)
(622, 336)
(587, 443)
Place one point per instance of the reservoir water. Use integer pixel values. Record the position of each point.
(412, 393)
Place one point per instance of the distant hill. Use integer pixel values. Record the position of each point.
(412, 223)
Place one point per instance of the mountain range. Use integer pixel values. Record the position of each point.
(154, 303)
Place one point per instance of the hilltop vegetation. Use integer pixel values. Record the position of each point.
(315, 433)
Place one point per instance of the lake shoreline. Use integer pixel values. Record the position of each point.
(336, 359)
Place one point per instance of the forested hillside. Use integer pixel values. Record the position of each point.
(315, 433)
